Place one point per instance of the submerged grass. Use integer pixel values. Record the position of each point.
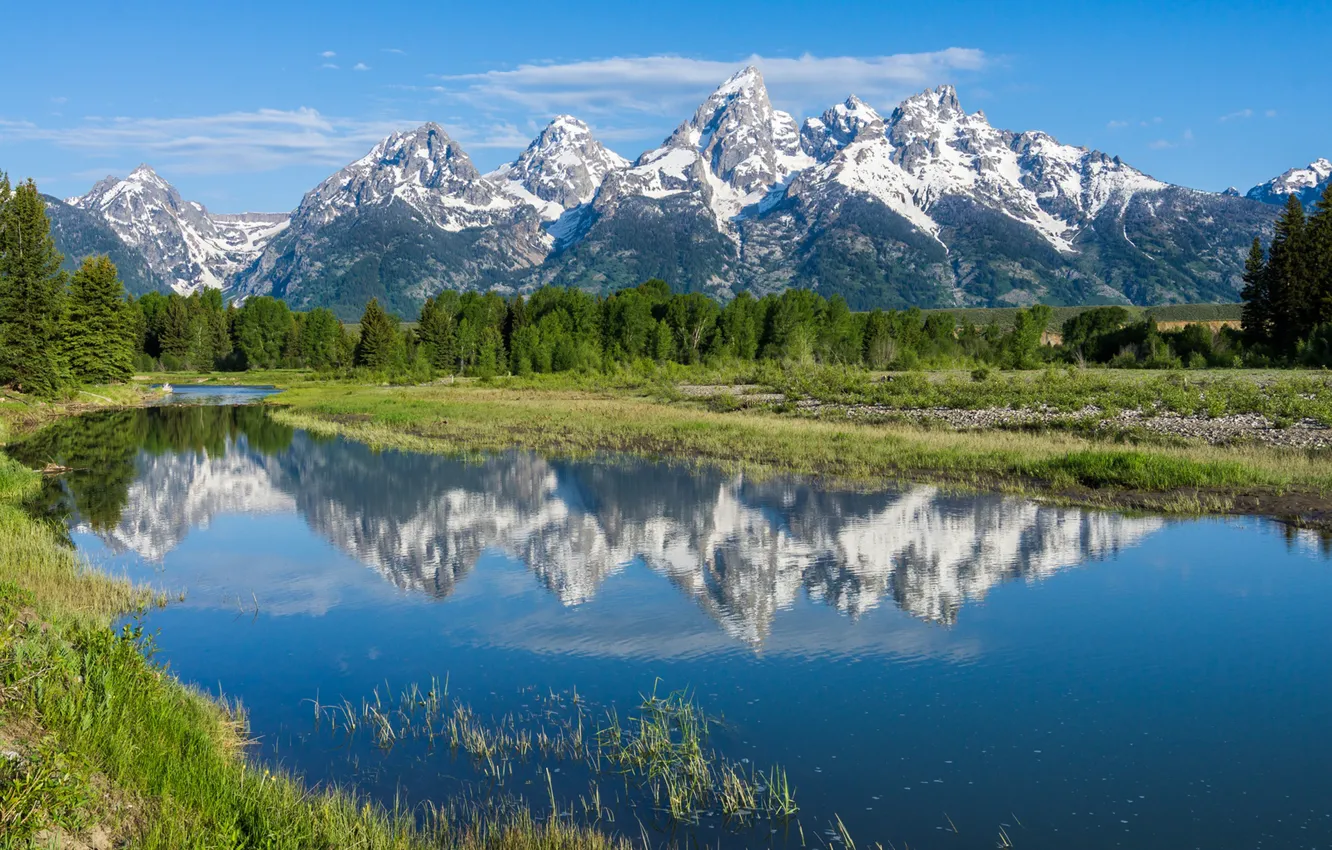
(475, 418)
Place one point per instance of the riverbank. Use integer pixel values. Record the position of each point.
(100, 747)
(1122, 470)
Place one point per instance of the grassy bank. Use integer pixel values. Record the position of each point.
(99, 746)
(478, 418)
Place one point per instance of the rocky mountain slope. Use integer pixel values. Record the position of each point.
(79, 234)
(929, 205)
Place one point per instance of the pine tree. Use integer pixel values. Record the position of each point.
(1288, 280)
(32, 294)
(378, 346)
(1256, 318)
(436, 331)
(99, 329)
(1320, 256)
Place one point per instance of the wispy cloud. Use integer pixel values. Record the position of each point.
(329, 66)
(1185, 139)
(328, 54)
(394, 50)
(233, 142)
(1271, 113)
(1238, 115)
(1117, 125)
(360, 66)
(656, 84)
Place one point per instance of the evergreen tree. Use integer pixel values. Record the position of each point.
(1288, 284)
(32, 294)
(1256, 318)
(177, 334)
(1320, 256)
(321, 339)
(378, 346)
(99, 329)
(437, 329)
(263, 327)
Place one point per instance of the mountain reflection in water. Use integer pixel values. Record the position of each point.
(742, 549)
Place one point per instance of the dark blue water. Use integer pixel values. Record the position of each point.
(930, 668)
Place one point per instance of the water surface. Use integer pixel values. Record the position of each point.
(932, 668)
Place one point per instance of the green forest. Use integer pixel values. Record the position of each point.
(59, 329)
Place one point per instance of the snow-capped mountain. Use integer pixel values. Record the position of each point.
(730, 155)
(424, 169)
(409, 218)
(931, 206)
(562, 168)
(181, 241)
(1307, 183)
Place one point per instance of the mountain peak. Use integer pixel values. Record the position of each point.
(747, 80)
(561, 169)
(940, 103)
(839, 126)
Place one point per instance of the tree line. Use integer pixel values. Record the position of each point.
(1288, 288)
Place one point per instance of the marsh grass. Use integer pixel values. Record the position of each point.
(470, 420)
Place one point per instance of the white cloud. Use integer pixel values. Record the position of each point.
(1188, 135)
(233, 142)
(360, 66)
(1239, 115)
(657, 84)
(1271, 113)
(330, 66)
(395, 50)
(1161, 145)
(1117, 125)
(328, 54)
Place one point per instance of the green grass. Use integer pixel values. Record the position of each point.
(473, 418)
(112, 744)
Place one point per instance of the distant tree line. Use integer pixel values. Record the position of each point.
(1288, 289)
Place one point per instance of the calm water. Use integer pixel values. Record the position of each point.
(931, 668)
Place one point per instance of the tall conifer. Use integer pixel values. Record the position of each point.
(1256, 317)
(378, 346)
(32, 295)
(99, 330)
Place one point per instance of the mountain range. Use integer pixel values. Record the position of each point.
(929, 205)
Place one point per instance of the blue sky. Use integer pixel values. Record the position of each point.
(247, 105)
